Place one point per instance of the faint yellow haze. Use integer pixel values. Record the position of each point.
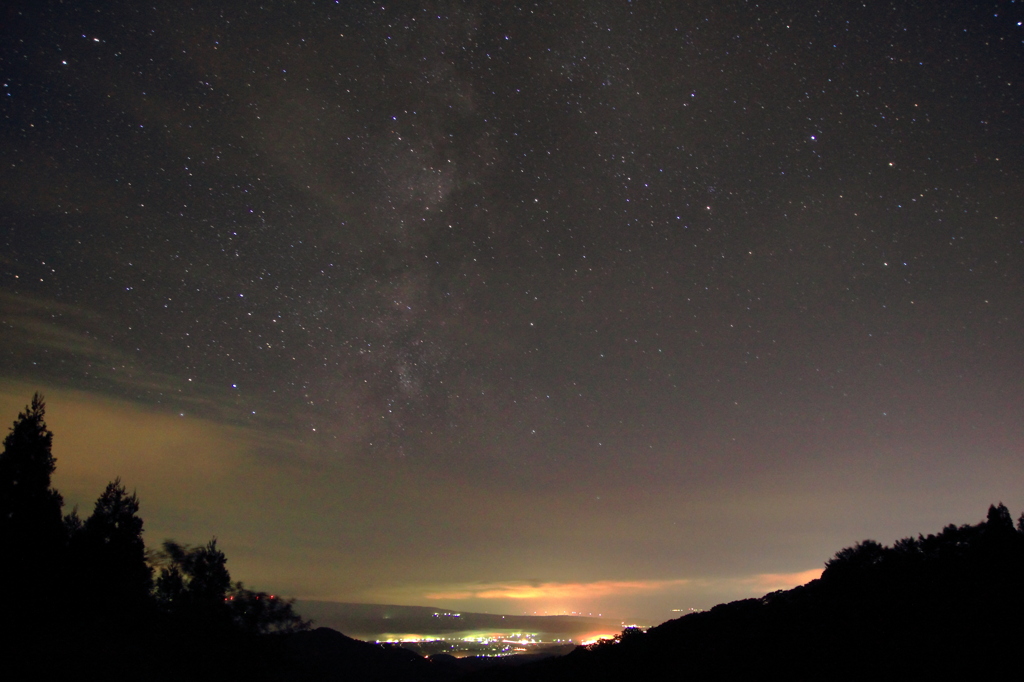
(198, 477)
(189, 472)
(97, 439)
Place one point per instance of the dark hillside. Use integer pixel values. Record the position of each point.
(943, 604)
(325, 654)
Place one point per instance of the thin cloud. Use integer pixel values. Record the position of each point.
(552, 590)
(762, 582)
(35, 327)
(41, 324)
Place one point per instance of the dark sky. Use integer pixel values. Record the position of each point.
(620, 306)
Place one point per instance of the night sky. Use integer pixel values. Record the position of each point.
(569, 306)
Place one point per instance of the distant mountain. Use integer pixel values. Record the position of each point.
(371, 622)
(942, 606)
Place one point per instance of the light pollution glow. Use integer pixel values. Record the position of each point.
(604, 597)
(602, 588)
(612, 325)
(173, 461)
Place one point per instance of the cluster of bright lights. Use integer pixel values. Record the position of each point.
(493, 644)
(408, 639)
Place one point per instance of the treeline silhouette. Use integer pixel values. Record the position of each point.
(939, 606)
(83, 596)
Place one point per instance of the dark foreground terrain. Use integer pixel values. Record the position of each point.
(81, 599)
(944, 605)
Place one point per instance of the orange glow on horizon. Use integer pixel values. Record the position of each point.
(594, 638)
(560, 591)
(552, 591)
(784, 581)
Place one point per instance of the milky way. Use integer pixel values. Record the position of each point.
(688, 276)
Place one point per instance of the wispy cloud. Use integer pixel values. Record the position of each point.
(59, 344)
(51, 325)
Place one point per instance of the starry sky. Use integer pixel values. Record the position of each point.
(557, 306)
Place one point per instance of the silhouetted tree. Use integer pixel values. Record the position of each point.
(209, 579)
(110, 552)
(221, 626)
(72, 523)
(194, 581)
(32, 535)
(861, 556)
(79, 597)
(999, 519)
(260, 613)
